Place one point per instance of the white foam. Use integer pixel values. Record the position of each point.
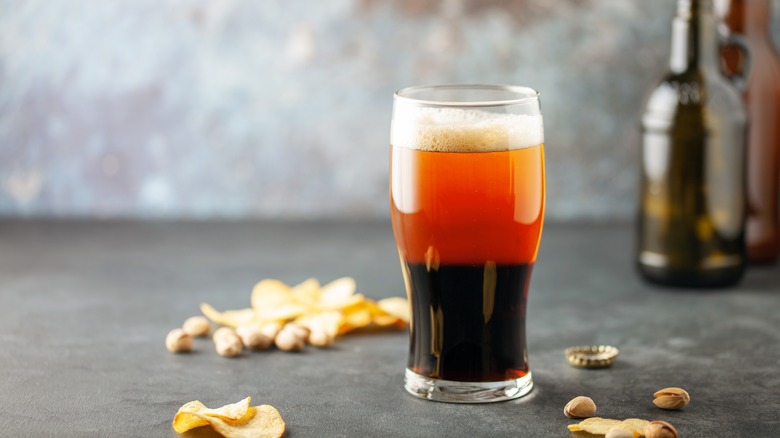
(464, 130)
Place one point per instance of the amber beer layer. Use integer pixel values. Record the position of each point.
(467, 201)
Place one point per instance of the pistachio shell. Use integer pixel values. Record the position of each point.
(580, 407)
(671, 398)
(660, 429)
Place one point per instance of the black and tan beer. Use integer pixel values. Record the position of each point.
(467, 200)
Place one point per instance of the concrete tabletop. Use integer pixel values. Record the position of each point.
(85, 307)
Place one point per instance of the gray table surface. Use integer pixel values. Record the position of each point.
(85, 307)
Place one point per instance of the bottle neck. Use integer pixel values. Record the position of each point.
(694, 37)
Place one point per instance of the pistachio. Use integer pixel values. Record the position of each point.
(253, 339)
(660, 429)
(671, 398)
(580, 407)
(619, 433)
(290, 339)
(320, 338)
(227, 342)
(196, 326)
(298, 329)
(271, 329)
(228, 345)
(178, 341)
(223, 332)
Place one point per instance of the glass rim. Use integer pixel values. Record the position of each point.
(524, 95)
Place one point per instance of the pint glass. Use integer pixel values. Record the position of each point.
(467, 195)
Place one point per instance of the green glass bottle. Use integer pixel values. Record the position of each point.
(692, 206)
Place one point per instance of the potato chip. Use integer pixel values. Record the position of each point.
(264, 422)
(193, 414)
(384, 320)
(594, 425)
(381, 318)
(235, 411)
(307, 293)
(396, 306)
(274, 300)
(339, 293)
(633, 425)
(342, 303)
(340, 287)
(269, 294)
(186, 420)
(600, 426)
(329, 321)
(282, 312)
(354, 318)
(230, 318)
(237, 420)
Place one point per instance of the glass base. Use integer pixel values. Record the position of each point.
(466, 392)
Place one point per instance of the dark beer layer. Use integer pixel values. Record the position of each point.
(468, 321)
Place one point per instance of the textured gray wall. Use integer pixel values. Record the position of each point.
(234, 109)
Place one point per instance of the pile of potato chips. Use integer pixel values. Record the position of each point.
(334, 307)
(237, 420)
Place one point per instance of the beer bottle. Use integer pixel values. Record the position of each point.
(691, 225)
(762, 99)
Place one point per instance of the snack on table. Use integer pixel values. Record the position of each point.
(237, 420)
(264, 422)
(580, 407)
(619, 433)
(660, 429)
(291, 337)
(196, 326)
(325, 310)
(600, 426)
(253, 339)
(178, 341)
(671, 398)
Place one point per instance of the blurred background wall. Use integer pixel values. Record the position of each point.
(214, 109)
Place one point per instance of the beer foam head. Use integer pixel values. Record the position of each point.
(464, 130)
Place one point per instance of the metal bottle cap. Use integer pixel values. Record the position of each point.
(591, 356)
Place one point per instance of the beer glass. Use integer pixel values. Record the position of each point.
(467, 195)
